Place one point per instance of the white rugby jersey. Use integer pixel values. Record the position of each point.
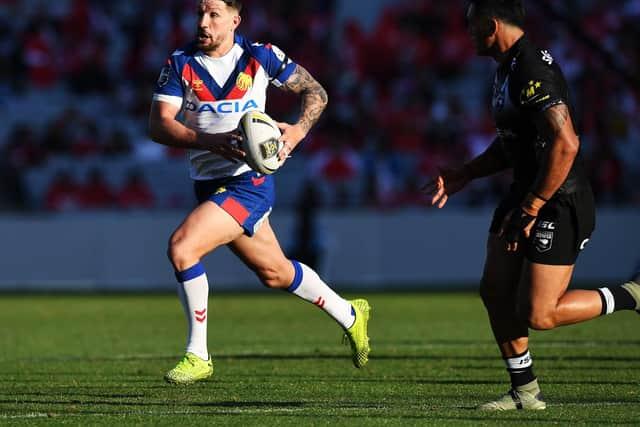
(213, 93)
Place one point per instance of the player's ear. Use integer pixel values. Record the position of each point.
(492, 27)
(236, 21)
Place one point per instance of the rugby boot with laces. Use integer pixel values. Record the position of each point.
(528, 396)
(633, 287)
(189, 370)
(357, 334)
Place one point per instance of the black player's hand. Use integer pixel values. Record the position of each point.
(448, 182)
(227, 145)
(516, 224)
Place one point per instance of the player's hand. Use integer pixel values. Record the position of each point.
(448, 182)
(519, 221)
(516, 223)
(291, 137)
(226, 145)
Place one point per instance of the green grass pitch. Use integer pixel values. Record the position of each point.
(99, 360)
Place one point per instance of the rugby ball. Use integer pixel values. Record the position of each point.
(260, 141)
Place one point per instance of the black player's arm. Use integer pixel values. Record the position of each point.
(314, 96)
(555, 125)
(450, 181)
(165, 129)
(490, 162)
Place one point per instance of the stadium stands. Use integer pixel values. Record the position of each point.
(75, 95)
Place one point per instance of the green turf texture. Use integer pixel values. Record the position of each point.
(99, 360)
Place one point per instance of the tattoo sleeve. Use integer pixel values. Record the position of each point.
(314, 97)
(553, 121)
(556, 127)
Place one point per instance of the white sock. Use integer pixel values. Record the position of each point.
(193, 291)
(310, 287)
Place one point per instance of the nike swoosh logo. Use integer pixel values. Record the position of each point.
(257, 181)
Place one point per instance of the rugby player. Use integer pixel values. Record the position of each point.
(200, 96)
(548, 214)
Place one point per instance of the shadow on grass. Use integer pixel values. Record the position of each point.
(492, 418)
(326, 356)
(79, 400)
(538, 340)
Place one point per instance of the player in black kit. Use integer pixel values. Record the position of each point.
(548, 214)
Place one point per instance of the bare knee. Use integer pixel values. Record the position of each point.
(542, 319)
(179, 254)
(275, 276)
(272, 278)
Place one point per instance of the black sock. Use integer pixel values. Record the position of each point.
(520, 368)
(615, 299)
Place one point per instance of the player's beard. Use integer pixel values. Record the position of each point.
(210, 44)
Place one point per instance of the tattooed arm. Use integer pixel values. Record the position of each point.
(314, 101)
(314, 97)
(555, 126)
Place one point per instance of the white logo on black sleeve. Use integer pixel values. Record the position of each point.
(546, 57)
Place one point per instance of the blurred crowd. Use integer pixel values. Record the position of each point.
(407, 95)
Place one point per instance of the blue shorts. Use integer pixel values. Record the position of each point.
(248, 197)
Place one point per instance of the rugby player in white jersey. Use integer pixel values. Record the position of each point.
(201, 94)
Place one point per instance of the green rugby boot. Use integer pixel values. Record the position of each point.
(633, 287)
(357, 333)
(189, 370)
(528, 396)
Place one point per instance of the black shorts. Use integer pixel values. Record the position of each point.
(562, 229)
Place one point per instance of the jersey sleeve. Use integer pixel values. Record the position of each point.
(538, 83)
(169, 86)
(277, 64)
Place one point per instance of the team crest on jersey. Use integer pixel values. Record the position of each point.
(543, 240)
(244, 81)
(163, 79)
(197, 85)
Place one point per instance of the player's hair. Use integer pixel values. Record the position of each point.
(236, 4)
(509, 11)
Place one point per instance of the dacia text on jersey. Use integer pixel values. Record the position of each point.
(222, 107)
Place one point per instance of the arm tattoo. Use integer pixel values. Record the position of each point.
(555, 119)
(314, 97)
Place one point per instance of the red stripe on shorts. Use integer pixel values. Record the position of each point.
(235, 209)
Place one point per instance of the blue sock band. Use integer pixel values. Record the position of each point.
(297, 279)
(190, 273)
